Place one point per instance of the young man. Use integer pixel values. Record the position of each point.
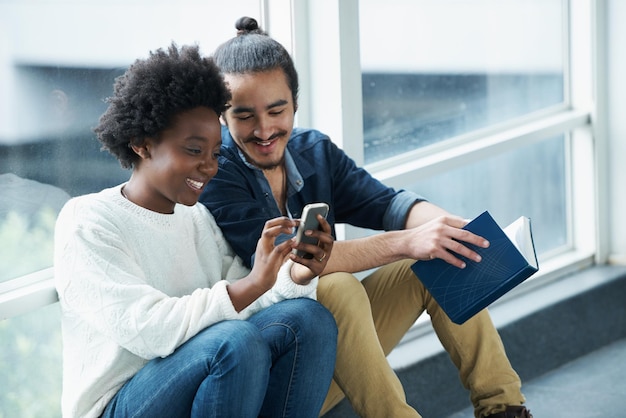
(268, 168)
(160, 317)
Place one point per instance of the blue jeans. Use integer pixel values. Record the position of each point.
(278, 363)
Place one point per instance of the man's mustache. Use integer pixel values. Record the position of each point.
(271, 138)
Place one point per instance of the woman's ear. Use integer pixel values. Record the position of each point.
(142, 150)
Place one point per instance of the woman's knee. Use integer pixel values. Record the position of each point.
(236, 341)
(310, 318)
(321, 322)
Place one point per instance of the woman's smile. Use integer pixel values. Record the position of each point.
(196, 184)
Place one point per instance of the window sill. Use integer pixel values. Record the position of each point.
(27, 294)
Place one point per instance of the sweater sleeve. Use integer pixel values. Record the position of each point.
(284, 288)
(102, 285)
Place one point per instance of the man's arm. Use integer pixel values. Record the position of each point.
(423, 212)
(431, 233)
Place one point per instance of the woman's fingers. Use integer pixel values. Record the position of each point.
(317, 255)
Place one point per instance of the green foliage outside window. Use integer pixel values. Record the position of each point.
(27, 243)
(31, 364)
(30, 344)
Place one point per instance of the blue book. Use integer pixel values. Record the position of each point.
(508, 261)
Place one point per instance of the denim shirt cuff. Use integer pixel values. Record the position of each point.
(398, 210)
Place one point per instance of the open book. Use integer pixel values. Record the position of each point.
(509, 260)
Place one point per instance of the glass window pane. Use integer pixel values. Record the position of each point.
(529, 181)
(31, 364)
(57, 64)
(434, 69)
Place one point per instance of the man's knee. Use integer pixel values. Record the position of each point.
(340, 289)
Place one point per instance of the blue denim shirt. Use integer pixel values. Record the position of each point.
(240, 198)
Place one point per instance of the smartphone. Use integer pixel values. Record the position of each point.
(308, 220)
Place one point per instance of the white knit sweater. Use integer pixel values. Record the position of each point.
(136, 284)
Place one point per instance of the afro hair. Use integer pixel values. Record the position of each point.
(152, 92)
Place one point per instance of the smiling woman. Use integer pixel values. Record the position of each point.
(149, 288)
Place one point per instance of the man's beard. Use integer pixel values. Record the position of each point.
(266, 165)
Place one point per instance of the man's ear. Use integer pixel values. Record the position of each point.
(223, 120)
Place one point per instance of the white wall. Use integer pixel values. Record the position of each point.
(616, 84)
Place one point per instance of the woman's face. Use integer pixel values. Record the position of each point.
(260, 115)
(175, 167)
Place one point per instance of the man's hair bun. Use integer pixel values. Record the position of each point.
(245, 25)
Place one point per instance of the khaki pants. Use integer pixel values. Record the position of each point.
(372, 317)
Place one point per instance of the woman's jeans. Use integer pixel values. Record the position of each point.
(278, 363)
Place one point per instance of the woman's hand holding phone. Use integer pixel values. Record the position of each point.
(313, 243)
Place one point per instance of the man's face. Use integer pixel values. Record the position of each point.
(260, 115)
